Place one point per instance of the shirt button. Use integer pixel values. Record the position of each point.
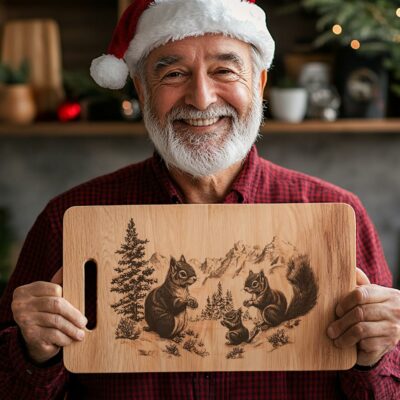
(28, 371)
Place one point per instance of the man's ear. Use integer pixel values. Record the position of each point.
(263, 81)
(139, 89)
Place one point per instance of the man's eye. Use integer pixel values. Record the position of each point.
(173, 75)
(224, 71)
(226, 74)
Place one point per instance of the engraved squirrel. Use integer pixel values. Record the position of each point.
(237, 332)
(165, 306)
(272, 304)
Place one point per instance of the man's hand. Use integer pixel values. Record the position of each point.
(47, 321)
(369, 317)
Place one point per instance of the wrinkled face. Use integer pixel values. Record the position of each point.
(202, 105)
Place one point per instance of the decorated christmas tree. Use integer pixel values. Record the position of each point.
(134, 276)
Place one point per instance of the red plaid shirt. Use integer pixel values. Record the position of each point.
(149, 183)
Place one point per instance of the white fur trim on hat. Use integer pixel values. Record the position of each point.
(109, 71)
(171, 20)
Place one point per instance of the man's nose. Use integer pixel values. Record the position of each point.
(201, 92)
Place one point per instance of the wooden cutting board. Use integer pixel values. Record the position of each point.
(38, 42)
(210, 287)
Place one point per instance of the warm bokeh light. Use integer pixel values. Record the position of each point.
(127, 108)
(398, 12)
(126, 105)
(337, 29)
(355, 44)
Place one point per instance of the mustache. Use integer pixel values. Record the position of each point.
(190, 112)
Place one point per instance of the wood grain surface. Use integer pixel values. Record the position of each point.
(218, 287)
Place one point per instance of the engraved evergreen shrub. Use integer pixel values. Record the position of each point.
(172, 349)
(179, 338)
(127, 329)
(193, 345)
(278, 339)
(292, 323)
(134, 280)
(235, 353)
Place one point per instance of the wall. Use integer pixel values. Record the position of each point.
(34, 170)
(85, 26)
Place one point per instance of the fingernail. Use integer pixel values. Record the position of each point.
(81, 335)
(84, 322)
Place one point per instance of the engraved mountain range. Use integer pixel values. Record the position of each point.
(275, 254)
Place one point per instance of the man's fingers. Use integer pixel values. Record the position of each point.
(38, 289)
(362, 313)
(56, 321)
(56, 337)
(60, 306)
(363, 330)
(375, 344)
(361, 278)
(46, 339)
(58, 277)
(363, 295)
(52, 305)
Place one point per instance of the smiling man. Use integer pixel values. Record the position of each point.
(202, 106)
(200, 68)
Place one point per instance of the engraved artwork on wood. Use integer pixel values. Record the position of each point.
(132, 282)
(210, 287)
(164, 308)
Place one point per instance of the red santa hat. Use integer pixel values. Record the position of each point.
(148, 24)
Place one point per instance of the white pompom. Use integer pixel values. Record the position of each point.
(109, 71)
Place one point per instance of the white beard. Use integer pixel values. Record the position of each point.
(205, 154)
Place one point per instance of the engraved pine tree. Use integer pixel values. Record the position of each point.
(134, 276)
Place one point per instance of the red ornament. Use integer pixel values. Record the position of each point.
(69, 111)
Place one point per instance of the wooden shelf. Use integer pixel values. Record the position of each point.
(95, 129)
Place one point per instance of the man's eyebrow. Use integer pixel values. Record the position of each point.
(230, 57)
(165, 62)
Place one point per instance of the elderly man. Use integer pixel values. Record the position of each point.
(200, 68)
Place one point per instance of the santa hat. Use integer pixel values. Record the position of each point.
(148, 24)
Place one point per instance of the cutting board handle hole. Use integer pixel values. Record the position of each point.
(91, 293)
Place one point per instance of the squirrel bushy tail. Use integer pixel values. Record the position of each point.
(305, 287)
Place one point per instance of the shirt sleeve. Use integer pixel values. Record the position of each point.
(383, 381)
(40, 258)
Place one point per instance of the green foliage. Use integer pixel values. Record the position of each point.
(10, 76)
(373, 22)
(79, 85)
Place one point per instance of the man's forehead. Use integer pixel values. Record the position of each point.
(211, 47)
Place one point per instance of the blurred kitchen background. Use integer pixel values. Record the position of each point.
(333, 105)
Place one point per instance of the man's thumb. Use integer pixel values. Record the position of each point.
(361, 278)
(58, 277)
